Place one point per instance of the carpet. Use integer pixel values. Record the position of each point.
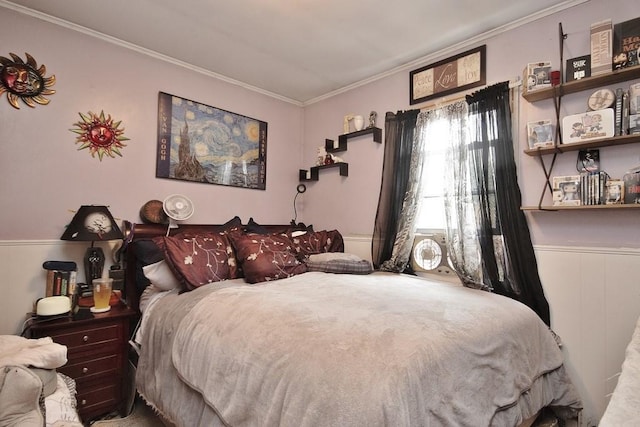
(142, 416)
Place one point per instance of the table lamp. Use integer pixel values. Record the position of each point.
(90, 224)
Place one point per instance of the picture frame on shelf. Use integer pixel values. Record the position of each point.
(566, 190)
(540, 134)
(455, 74)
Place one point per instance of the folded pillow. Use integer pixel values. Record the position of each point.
(161, 275)
(198, 260)
(337, 262)
(266, 256)
(318, 242)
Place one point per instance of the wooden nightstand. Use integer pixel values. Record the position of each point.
(97, 350)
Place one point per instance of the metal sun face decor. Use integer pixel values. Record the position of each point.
(102, 136)
(24, 81)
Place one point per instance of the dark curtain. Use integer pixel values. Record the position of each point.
(514, 272)
(399, 132)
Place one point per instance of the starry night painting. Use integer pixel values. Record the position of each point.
(200, 143)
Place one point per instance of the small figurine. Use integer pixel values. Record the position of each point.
(322, 153)
(345, 123)
(328, 160)
(373, 116)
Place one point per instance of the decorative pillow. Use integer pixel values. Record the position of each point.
(161, 275)
(266, 257)
(318, 242)
(337, 262)
(200, 259)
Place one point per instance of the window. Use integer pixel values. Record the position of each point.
(431, 215)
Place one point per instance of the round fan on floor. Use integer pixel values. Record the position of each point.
(427, 254)
(430, 254)
(178, 208)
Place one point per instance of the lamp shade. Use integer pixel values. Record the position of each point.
(92, 223)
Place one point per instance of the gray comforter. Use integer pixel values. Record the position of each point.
(343, 350)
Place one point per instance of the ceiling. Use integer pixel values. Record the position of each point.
(296, 50)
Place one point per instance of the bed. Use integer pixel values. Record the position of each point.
(314, 338)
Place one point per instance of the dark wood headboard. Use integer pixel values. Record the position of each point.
(134, 231)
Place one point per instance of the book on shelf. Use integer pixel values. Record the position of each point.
(626, 43)
(593, 185)
(60, 281)
(578, 68)
(601, 47)
(632, 186)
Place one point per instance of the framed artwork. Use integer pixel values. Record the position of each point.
(200, 143)
(458, 73)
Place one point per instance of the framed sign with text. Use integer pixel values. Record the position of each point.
(458, 73)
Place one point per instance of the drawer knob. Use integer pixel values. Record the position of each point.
(85, 370)
(83, 402)
(85, 338)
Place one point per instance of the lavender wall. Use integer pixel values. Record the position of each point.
(351, 202)
(43, 173)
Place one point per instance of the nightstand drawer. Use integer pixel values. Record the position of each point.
(95, 401)
(92, 367)
(107, 336)
(96, 357)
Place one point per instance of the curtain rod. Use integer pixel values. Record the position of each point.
(444, 101)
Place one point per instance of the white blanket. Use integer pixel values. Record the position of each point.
(383, 349)
(39, 353)
(624, 407)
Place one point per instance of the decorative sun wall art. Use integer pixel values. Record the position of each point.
(102, 136)
(24, 81)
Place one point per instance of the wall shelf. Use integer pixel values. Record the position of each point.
(315, 171)
(330, 147)
(617, 76)
(596, 143)
(556, 93)
(578, 208)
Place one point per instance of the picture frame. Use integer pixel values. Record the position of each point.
(566, 190)
(201, 143)
(455, 74)
(540, 134)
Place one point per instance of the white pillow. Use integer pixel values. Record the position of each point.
(161, 276)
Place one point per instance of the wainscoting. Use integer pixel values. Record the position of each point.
(594, 295)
